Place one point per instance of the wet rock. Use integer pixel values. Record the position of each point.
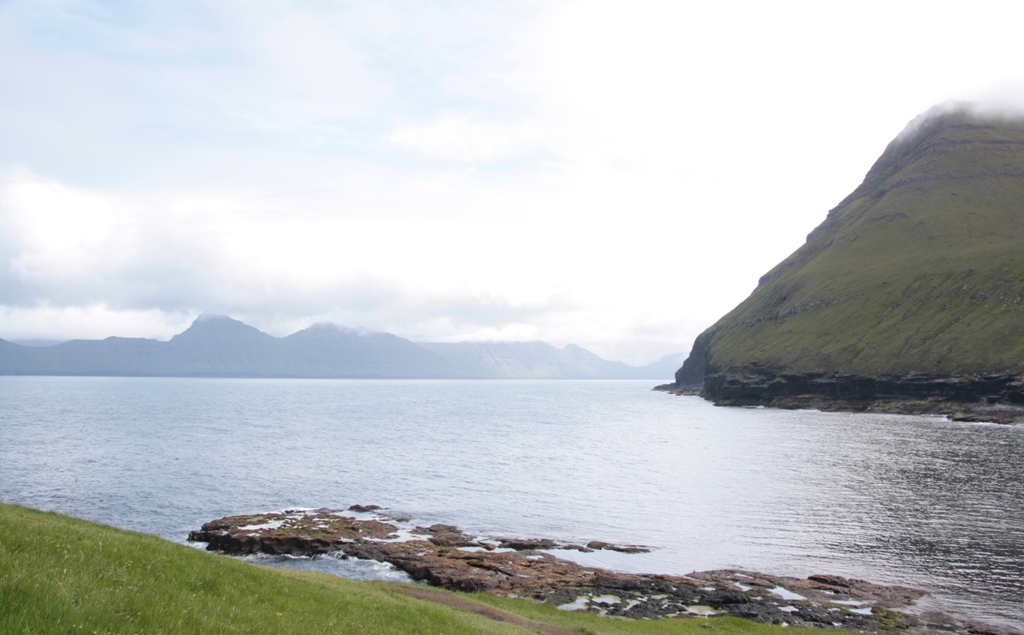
(723, 598)
(817, 588)
(997, 398)
(450, 536)
(597, 544)
(933, 622)
(527, 544)
(647, 585)
(364, 508)
(759, 612)
(445, 556)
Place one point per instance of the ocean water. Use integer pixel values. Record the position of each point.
(919, 501)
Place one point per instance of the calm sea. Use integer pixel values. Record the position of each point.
(893, 499)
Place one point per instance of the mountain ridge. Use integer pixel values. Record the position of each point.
(220, 346)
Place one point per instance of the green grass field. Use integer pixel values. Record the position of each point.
(63, 575)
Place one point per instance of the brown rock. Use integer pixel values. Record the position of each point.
(449, 558)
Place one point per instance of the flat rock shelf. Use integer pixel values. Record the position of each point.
(447, 557)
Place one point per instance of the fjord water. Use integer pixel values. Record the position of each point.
(893, 499)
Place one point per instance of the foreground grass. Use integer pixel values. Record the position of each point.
(63, 575)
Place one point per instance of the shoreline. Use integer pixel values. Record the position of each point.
(445, 556)
(989, 399)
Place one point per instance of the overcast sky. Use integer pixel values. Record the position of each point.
(613, 174)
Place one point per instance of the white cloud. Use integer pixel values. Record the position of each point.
(594, 172)
(303, 68)
(62, 233)
(89, 322)
(456, 139)
(431, 277)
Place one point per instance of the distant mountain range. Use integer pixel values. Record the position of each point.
(218, 346)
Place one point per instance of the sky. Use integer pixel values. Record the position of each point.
(616, 175)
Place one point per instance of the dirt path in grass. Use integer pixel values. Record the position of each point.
(486, 610)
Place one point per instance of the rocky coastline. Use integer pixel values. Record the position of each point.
(445, 556)
(997, 398)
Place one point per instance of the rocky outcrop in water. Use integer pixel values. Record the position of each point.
(445, 556)
(997, 398)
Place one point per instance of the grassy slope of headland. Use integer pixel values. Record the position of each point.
(63, 575)
(919, 270)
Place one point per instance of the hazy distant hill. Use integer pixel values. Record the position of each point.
(216, 346)
(664, 367)
(912, 287)
(535, 360)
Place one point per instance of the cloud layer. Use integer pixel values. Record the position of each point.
(612, 175)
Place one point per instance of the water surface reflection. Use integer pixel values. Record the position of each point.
(893, 499)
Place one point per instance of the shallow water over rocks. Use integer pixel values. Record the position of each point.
(914, 501)
(443, 555)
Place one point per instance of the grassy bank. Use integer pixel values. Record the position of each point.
(60, 575)
(63, 575)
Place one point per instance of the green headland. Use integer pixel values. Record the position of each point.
(908, 297)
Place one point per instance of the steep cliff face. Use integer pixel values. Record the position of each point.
(912, 287)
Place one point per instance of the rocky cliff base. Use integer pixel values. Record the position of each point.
(445, 556)
(997, 398)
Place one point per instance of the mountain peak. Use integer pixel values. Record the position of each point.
(328, 330)
(212, 317)
(221, 327)
(958, 113)
(954, 130)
